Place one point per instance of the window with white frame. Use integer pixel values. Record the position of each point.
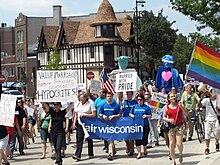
(92, 53)
(20, 55)
(20, 36)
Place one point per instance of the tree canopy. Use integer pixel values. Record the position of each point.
(157, 38)
(206, 12)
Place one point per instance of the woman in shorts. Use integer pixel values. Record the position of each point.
(173, 114)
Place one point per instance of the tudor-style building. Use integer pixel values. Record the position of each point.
(90, 45)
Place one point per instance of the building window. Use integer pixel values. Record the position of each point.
(20, 36)
(68, 54)
(108, 30)
(12, 72)
(48, 56)
(120, 51)
(92, 53)
(126, 51)
(21, 73)
(20, 55)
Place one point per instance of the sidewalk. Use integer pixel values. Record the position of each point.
(193, 154)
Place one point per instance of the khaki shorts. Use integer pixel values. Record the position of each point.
(176, 131)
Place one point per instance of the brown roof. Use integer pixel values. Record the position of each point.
(105, 15)
(125, 29)
(50, 33)
(82, 32)
(70, 29)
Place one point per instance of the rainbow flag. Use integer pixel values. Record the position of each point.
(205, 65)
(156, 104)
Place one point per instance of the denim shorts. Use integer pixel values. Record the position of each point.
(4, 143)
(44, 135)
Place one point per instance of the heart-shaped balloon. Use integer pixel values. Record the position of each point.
(166, 75)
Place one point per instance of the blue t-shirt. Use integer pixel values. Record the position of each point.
(139, 111)
(98, 103)
(128, 105)
(110, 109)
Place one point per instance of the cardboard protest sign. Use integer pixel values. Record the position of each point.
(57, 85)
(126, 82)
(95, 86)
(7, 109)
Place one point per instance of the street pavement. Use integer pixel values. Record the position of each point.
(193, 155)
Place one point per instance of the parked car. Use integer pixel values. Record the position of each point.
(14, 92)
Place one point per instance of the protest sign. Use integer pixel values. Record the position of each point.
(57, 85)
(126, 82)
(158, 100)
(95, 86)
(124, 128)
(30, 111)
(82, 87)
(7, 109)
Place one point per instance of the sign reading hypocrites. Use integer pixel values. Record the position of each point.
(7, 109)
(126, 82)
(57, 85)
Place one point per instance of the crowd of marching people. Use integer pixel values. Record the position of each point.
(55, 122)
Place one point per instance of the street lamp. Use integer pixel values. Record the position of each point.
(137, 28)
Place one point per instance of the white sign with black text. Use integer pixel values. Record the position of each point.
(126, 82)
(57, 85)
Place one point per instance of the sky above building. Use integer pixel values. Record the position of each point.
(10, 10)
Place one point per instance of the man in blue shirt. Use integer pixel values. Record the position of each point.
(126, 107)
(109, 111)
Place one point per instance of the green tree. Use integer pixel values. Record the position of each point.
(206, 12)
(207, 40)
(157, 39)
(54, 62)
(182, 52)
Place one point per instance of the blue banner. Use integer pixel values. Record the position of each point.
(124, 128)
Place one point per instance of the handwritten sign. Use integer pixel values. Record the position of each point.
(82, 87)
(157, 102)
(57, 85)
(7, 109)
(126, 82)
(30, 111)
(95, 86)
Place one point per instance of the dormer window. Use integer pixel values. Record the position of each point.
(107, 30)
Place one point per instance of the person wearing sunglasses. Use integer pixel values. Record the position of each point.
(86, 109)
(56, 128)
(144, 111)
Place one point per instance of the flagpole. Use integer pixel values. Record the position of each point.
(191, 57)
(101, 73)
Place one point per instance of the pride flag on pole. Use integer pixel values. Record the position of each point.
(205, 65)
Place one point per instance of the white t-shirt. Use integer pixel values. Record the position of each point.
(87, 108)
(210, 114)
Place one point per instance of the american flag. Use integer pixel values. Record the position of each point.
(105, 83)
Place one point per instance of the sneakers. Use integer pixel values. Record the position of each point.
(76, 157)
(110, 158)
(207, 151)
(217, 147)
(22, 153)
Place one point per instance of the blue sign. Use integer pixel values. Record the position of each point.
(124, 128)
